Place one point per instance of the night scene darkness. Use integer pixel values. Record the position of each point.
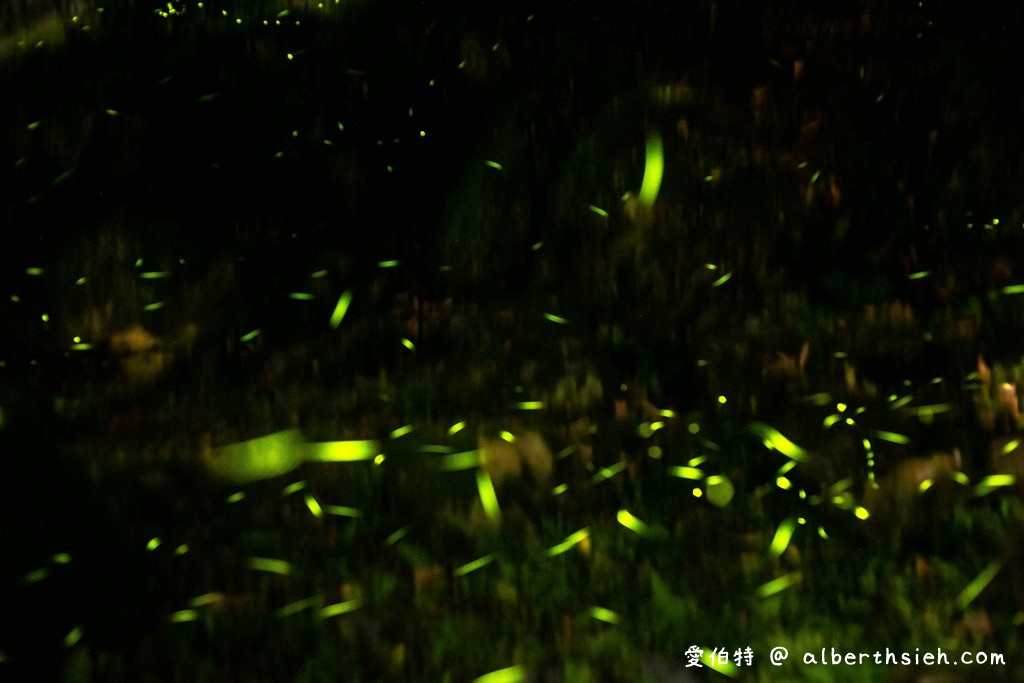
(394, 340)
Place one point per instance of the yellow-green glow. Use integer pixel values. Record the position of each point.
(466, 460)
(1014, 289)
(560, 489)
(861, 513)
(270, 565)
(606, 615)
(343, 451)
(720, 490)
(154, 275)
(35, 576)
(340, 608)
(777, 441)
(529, 405)
(456, 428)
(919, 275)
(343, 511)
(993, 482)
(488, 496)
(183, 616)
(297, 606)
(34, 271)
(654, 170)
(260, 458)
(301, 296)
(293, 488)
(396, 536)
(153, 544)
(608, 472)
(314, 506)
(340, 309)
(783, 535)
(388, 264)
(557, 319)
(408, 344)
(893, 437)
(495, 165)
(61, 558)
(236, 497)
(507, 436)
(598, 210)
(722, 280)
(1010, 446)
(685, 472)
(206, 599)
(718, 663)
(401, 431)
(249, 336)
(512, 674)
(776, 586)
(633, 523)
(474, 565)
(570, 541)
(978, 584)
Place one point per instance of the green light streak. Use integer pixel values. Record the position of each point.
(466, 460)
(314, 506)
(343, 451)
(343, 511)
(340, 309)
(978, 584)
(783, 535)
(474, 565)
(893, 437)
(775, 440)
(722, 280)
(396, 536)
(608, 472)
(653, 171)
(558, 320)
(488, 496)
(292, 488)
(340, 608)
(776, 586)
(606, 615)
(270, 565)
(297, 606)
(570, 541)
(183, 616)
(691, 473)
